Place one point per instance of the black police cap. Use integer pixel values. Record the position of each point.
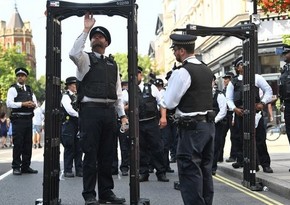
(286, 49)
(140, 69)
(182, 39)
(238, 61)
(21, 71)
(228, 75)
(70, 80)
(158, 82)
(103, 31)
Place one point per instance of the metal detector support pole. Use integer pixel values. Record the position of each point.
(247, 33)
(56, 12)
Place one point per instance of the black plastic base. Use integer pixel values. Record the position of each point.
(40, 202)
(144, 202)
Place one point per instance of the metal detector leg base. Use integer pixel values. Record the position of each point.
(144, 202)
(40, 202)
(257, 187)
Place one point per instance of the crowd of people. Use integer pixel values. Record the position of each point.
(172, 120)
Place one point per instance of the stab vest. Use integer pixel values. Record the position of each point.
(100, 80)
(198, 97)
(147, 103)
(215, 104)
(238, 92)
(22, 96)
(65, 116)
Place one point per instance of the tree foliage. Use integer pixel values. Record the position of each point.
(286, 39)
(143, 61)
(274, 6)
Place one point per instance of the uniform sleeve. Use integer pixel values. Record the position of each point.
(222, 103)
(66, 103)
(265, 87)
(11, 94)
(230, 96)
(119, 106)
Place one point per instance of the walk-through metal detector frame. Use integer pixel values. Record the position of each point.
(56, 12)
(248, 34)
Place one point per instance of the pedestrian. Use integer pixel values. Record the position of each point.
(3, 128)
(70, 127)
(234, 95)
(37, 126)
(189, 90)
(22, 102)
(284, 89)
(100, 96)
(220, 108)
(151, 145)
(9, 132)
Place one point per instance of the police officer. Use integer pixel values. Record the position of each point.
(149, 127)
(284, 93)
(189, 90)
(22, 101)
(99, 93)
(220, 108)
(69, 136)
(234, 95)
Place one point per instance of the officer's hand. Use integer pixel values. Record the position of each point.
(282, 108)
(29, 104)
(239, 111)
(259, 106)
(89, 21)
(124, 120)
(162, 122)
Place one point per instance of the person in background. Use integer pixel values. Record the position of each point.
(22, 102)
(3, 128)
(9, 132)
(37, 126)
(234, 97)
(189, 90)
(100, 97)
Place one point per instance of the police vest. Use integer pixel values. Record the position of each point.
(239, 92)
(284, 83)
(147, 103)
(215, 104)
(198, 97)
(100, 81)
(64, 115)
(22, 96)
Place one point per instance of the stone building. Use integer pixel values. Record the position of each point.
(218, 52)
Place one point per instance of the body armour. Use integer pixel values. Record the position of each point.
(100, 80)
(22, 96)
(147, 103)
(238, 92)
(215, 104)
(64, 115)
(198, 97)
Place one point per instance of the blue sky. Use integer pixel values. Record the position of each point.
(33, 11)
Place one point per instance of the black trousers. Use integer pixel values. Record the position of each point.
(72, 150)
(151, 142)
(220, 128)
(262, 152)
(195, 152)
(22, 140)
(287, 118)
(97, 127)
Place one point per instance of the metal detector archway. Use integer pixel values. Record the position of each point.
(56, 12)
(248, 34)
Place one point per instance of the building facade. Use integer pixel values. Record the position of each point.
(18, 34)
(218, 52)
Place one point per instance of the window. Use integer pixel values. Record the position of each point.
(270, 64)
(19, 47)
(28, 47)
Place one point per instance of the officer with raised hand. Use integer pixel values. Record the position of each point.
(22, 101)
(234, 95)
(189, 90)
(70, 128)
(100, 96)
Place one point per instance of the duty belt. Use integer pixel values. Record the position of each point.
(97, 104)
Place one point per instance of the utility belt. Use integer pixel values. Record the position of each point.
(190, 122)
(15, 116)
(97, 104)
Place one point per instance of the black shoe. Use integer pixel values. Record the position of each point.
(176, 185)
(69, 174)
(125, 173)
(35, 146)
(213, 172)
(143, 178)
(115, 172)
(29, 171)
(112, 199)
(169, 170)
(91, 201)
(39, 146)
(162, 178)
(16, 171)
(267, 170)
(79, 174)
(151, 170)
(257, 168)
(237, 165)
(230, 159)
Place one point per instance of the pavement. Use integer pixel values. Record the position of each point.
(70, 188)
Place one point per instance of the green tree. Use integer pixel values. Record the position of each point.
(143, 61)
(286, 39)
